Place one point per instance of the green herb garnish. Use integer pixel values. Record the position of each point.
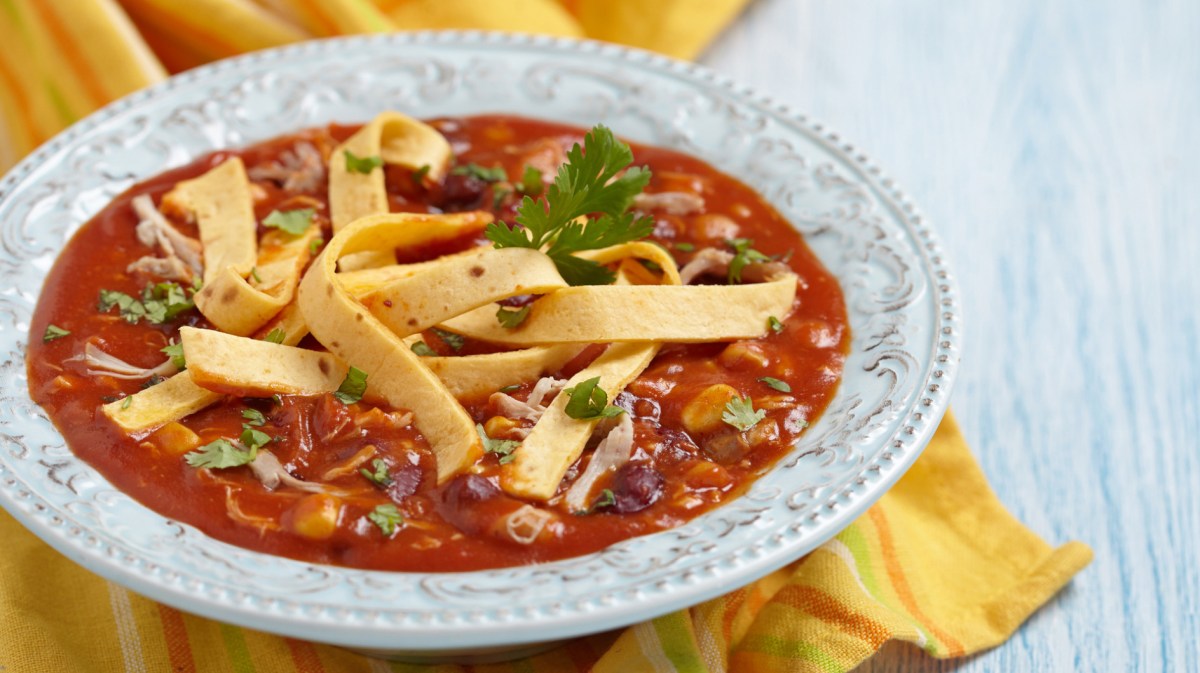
(353, 386)
(254, 417)
(606, 499)
(586, 184)
(387, 517)
(126, 402)
(175, 352)
(774, 324)
(364, 165)
(685, 247)
(743, 254)
(314, 244)
(418, 176)
(294, 222)
(498, 196)
(531, 182)
(512, 317)
(503, 448)
(588, 400)
(276, 336)
(493, 174)
(781, 386)
(421, 348)
(454, 341)
(220, 454)
(53, 332)
(379, 475)
(510, 388)
(254, 274)
(740, 413)
(159, 303)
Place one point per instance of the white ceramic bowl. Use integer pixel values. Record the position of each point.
(902, 305)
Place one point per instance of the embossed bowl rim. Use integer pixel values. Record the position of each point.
(428, 628)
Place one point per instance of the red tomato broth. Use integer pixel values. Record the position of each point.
(449, 527)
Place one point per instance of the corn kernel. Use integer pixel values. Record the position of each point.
(499, 426)
(703, 413)
(174, 438)
(315, 516)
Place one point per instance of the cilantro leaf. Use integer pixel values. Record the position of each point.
(511, 388)
(512, 318)
(740, 413)
(588, 401)
(253, 439)
(503, 448)
(220, 454)
(130, 309)
(276, 336)
(774, 324)
(498, 197)
(364, 165)
(53, 332)
(159, 303)
(254, 417)
(418, 176)
(743, 254)
(781, 386)
(607, 499)
(587, 184)
(387, 517)
(314, 244)
(353, 386)
(175, 352)
(421, 348)
(493, 174)
(454, 341)
(531, 182)
(294, 222)
(685, 247)
(379, 475)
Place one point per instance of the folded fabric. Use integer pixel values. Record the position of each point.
(937, 562)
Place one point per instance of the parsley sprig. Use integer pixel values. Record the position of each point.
(588, 400)
(587, 184)
(740, 413)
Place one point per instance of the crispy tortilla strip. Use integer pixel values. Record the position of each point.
(157, 405)
(233, 305)
(290, 321)
(557, 440)
(597, 314)
(637, 250)
(469, 376)
(221, 204)
(398, 140)
(461, 283)
(394, 372)
(235, 365)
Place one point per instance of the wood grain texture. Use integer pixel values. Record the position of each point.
(1053, 146)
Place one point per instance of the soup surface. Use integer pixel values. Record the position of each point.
(371, 497)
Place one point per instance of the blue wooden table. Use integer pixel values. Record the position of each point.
(1054, 145)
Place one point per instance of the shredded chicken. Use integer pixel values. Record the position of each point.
(100, 363)
(351, 464)
(527, 523)
(182, 254)
(671, 203)
(262, 523)
(267, 469)
(300, 169)
(532, 409)
(613, 452)
(716, 262)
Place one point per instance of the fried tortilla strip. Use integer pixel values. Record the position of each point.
(235, 365)
(233, 305)
(459, 284)
(220, 203)
(159, 404)
(469, 376)
(394, 373)
(396, 139)
(608, 313)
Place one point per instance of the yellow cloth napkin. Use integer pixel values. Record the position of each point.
(937, 562)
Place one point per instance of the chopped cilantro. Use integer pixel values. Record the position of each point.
(353, 386)
(276, 336)
(316, 243)
(587, 184)
(493, 174)
(454, 341)
(130, 309)
(294, 222)
(126, 402)
(503, 448)
(498, 196)
(781, 386)
(418, 176)
(53, 332)
(606, 499)
(740, 413)
(175, 352)
(421, 348)
(364, 165)
(512, 318)
(379, 476)
(253, 439)
(685, 247)
(254, 417)
(774, 324)
(588, 401)
(159, 303)
(512, 388)
(220, 454)
(743, 254)
(254, 274)
(387, 517)
(531, 182)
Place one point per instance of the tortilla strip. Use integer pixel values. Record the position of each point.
(608, 313)
(290, 321)
(557, 440)
(461, 283)
(170, 400)
(394, 372)
(398, 140)
(234, 306)
(221, 204)
(235, 365)
(468, 376)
